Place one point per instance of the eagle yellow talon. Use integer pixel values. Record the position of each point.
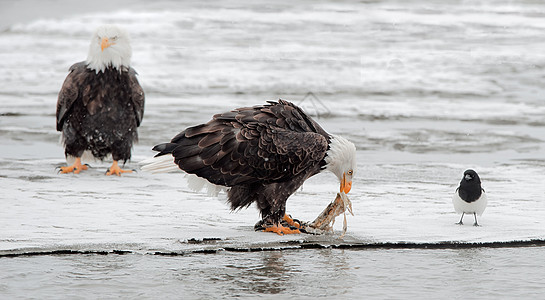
(281, 230)
(75, 168)
(116, 170)
(291, 222)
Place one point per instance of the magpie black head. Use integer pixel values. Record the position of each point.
(471, 175)
(470, 186)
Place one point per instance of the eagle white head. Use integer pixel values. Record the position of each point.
(110, 46)
(341, 161)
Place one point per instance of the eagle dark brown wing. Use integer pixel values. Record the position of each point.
(137, 96)
(77, 85)
(269, 143)
(69, 92)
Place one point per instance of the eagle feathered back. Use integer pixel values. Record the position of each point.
(269, 143)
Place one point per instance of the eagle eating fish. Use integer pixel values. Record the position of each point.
(260, 154)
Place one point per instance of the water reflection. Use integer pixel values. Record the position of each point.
(284, 271)
(471, 260)
(334, 273)
(236, 274)
(272, 276)
(269, 272)
(98, 267)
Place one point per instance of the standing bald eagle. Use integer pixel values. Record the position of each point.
(101, 103)
(262, 154)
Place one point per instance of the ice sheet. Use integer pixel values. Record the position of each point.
(425, 92)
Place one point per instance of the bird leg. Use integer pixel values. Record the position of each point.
(281, 230)
(475, 224)
(461, 223)
(76, 167)
(291, 222)
(116, 170)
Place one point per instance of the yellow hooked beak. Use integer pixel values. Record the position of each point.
(345, 185)
(105, 43)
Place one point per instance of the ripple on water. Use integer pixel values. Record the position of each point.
(450, 273)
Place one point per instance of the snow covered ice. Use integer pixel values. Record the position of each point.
(425, 91)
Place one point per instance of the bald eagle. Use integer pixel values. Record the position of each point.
(101, 103)
(261, 154)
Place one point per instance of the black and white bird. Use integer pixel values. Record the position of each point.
(101, 103)
(260, 154)
(470, 197)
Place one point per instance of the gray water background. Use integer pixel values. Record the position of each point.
(483, 273)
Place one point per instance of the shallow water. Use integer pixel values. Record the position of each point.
(447, 274)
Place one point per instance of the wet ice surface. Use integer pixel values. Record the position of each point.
(425, 91)
(393, 202)
(45, 211)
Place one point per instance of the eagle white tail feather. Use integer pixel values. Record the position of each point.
(165, 164)
(159, 164)
(197, 183)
